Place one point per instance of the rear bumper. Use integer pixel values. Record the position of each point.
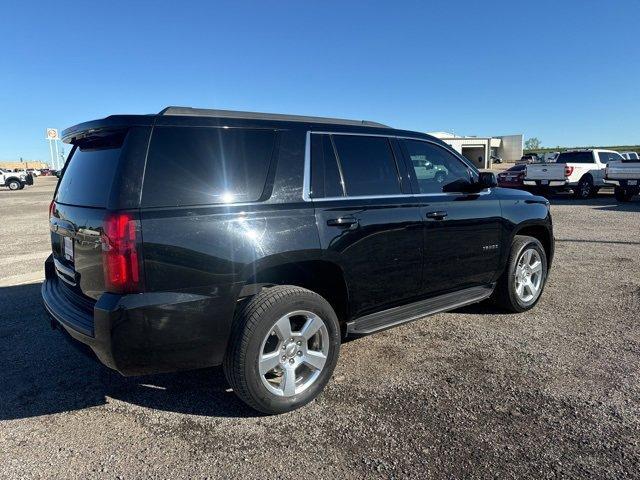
(551, 183)
(143, 333)
(623, 182)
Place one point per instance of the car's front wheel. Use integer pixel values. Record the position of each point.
(14, 185)
(520, 286)
(283, 349)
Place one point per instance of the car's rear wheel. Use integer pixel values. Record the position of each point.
(521, 285)
(283, 349)
(14, 185)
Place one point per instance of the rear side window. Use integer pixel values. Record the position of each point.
(90, 172)
(606, 157)
(203, 165)
(575, 157)
(325, 175)
(368, 165)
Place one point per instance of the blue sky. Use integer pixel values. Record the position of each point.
(566, 72)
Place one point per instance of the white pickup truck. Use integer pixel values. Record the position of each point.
(624, 175)
(14, 180)
(582, 171)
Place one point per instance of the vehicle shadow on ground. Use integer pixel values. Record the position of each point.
(599, 202)
(42, 374)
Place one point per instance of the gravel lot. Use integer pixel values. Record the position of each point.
(474, 393)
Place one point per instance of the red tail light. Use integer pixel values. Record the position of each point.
(568, 171)
(52, 208)
(120, 254)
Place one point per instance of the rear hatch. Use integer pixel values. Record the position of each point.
(81, 214)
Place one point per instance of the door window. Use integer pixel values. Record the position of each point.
(368, 165)
(606, 157)
(434, 166)
(325, 175)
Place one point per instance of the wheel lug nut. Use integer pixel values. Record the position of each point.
(299, 343)
(291, 361)
(299, 353)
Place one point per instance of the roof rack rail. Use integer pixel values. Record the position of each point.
(205, 112)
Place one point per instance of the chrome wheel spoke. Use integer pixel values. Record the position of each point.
(315, 359)
(288, 382)
(520, 289)
(536, 267)
(283, 328)
(269, 361)
(311, 327)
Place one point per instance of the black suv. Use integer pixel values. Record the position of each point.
(194, 238)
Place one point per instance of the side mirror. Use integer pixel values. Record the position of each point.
(487, 180)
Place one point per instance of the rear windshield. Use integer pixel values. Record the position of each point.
(575, 157)
(206, 165)
(90, 172)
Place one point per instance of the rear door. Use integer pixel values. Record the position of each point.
(97, 171)
(366, 218)
(462, 232)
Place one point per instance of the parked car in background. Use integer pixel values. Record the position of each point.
(582, 171)
(512, 177)
(45, 172)
(15, 180)
(34, 171)
(282, 236)
(425, 170)
(624, 175)
(496, 159)
(528, 158)
(630, 155)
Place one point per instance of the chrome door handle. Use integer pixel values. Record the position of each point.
(437, 215)
(343, 222)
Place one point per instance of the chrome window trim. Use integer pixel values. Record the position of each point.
(306, 182)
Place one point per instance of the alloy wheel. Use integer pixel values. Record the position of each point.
(528, 275)
(293, 353)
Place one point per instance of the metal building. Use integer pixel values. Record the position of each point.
(480, 149)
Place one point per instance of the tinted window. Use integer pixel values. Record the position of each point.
(606, 157)
(434, 166)
(575, 157)
(200, 165)
(368, 165)
(325, 176)
(90, 172)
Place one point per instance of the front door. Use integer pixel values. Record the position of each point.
(462, 232)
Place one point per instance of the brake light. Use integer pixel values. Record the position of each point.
(568, 171)
(52, 208)
(120, 254)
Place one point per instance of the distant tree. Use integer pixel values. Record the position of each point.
(532, 144)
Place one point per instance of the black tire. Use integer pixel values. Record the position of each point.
(14, 184)
(505, 293)
(252, 323)
(622, 195)
(584, 188)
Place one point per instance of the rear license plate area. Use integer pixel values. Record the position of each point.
(544, 182)
(67, 248)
